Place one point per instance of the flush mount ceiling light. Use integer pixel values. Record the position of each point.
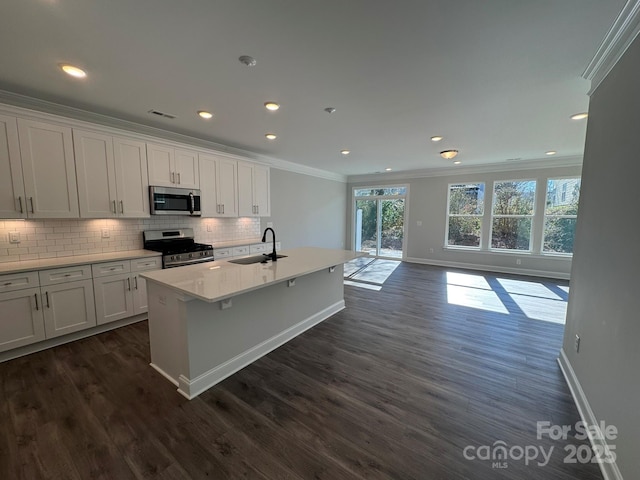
(550, 152)
(345, 152)
(248, 61)
(457, 162)
(73, 71)
(204, 114)
(436, 138)
(448, 154)
(329, 109)
(387, 169)
(579, 116)
(271, 106)
(271, 136)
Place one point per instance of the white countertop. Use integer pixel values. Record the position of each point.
(44, 263)
(218, 280)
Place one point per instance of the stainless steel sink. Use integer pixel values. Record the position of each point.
(255, 259)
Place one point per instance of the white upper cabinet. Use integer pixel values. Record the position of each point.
(169, 167)
(254, 196)
(112, 176)
(12, 198)
(218, 183)
(49, 170)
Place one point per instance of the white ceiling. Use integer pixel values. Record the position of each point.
(497, 78)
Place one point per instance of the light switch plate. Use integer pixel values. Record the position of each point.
(106, 233)
(14, 237)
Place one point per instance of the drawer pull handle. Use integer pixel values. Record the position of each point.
(31, 201)
(67, 274)
(35, 295)
(135, 282)
(114, 207)
(121, 206)
(20, 201)
(129, 284)
(112, 268)
(47, 297)
(8, 283)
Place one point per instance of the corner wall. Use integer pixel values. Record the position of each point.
(604, 303)
(306, 210)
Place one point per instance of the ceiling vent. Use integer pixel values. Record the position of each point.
(161, 114)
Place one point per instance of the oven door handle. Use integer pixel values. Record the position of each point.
(190, 262)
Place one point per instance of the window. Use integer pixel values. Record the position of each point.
(512, 214)
(466, 208)
(560, 213)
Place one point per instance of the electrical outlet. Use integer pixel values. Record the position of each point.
(106, 233)
(209, 228)
(431, 250)
(419, 223)
(14, 237)
(226, 303)
(518, 261)
(269, 224)
(577, 343)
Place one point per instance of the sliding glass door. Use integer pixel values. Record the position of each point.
(379, 221)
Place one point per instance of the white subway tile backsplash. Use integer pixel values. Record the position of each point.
(57, 238)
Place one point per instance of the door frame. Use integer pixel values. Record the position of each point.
(405, 196)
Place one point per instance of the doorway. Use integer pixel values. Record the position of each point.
(379, 220)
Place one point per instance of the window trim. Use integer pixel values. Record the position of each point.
(545, 216)
(531, 216)
(481, 217)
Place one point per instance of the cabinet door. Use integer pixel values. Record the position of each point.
(140, 303)
(113, 297)
(186, 169)
(246, 207)
(96, 174)
(161, 165)
(209, 186)
(21, 320)
(261, 190)
(132, 179)
(12, 199)
(49, 170)
(227, 178)
(68, 307)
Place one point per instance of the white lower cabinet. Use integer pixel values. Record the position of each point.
(21, 320)
(68, 307)
(120, 292)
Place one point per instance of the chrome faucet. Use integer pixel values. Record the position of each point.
(273, 255)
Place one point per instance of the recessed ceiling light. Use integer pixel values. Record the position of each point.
(345, 152)
(248, 60)
(271, 136)
(579, 116)
(436, 138)
(329, 109)
(457, 162)
(272, 106)
(551, 152)
(387, 169)
(73, 71)
(204, 114)
(448, 154)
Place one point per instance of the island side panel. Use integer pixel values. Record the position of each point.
(221, 341)
(167, 331)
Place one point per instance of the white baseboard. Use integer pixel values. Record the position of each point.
(164, 374)
(610, 471)
(489, 268)
(191, 388)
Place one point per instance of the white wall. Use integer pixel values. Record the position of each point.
(307, 211)
(427, 203)
(604, 304)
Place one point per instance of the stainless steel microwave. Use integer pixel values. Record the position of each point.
(174, 201)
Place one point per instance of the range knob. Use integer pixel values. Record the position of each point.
(191, 255)
(172, 257)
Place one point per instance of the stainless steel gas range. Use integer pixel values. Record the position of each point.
(177, 246)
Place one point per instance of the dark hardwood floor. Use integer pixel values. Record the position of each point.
(393, 387)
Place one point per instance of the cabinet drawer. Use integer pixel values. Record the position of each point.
(18, 281)
(144, 264)
(244, 250)
(219, 253)
(110, 268)
(260, 248)
(66, 274)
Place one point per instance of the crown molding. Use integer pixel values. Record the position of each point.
(72, 116)
(569, 161)
(622, 33)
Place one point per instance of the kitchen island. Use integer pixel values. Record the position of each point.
(208, 321)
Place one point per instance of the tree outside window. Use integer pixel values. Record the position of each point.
(560, 215)
(512, 214)
(466, 208)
